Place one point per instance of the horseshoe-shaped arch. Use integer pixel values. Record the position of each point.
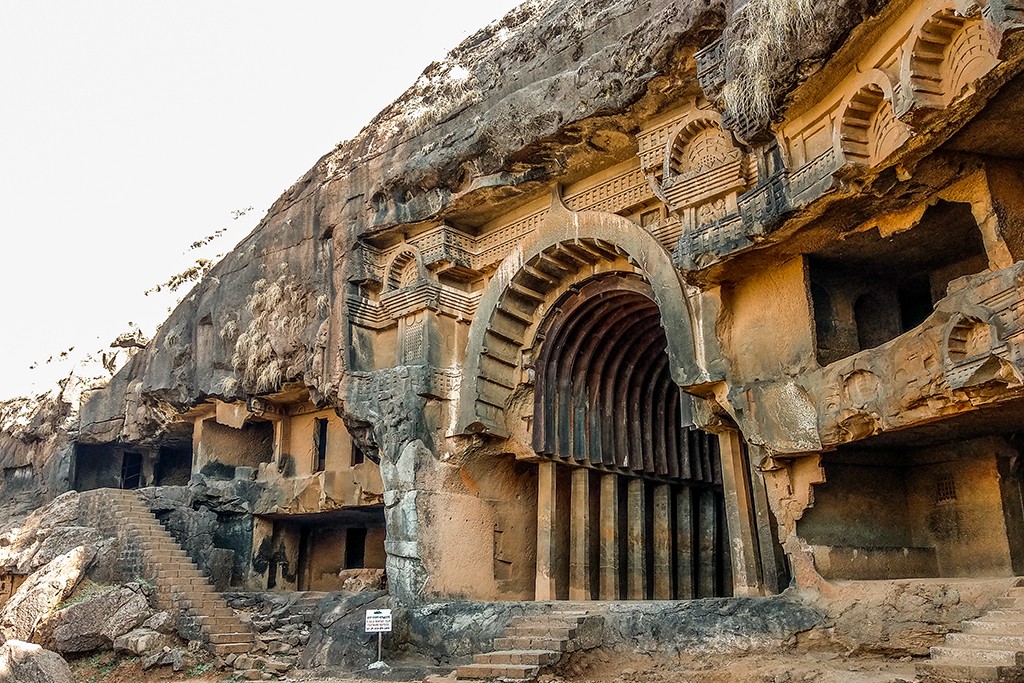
(507, 316)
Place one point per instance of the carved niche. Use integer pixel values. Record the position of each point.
(974, 352)
(700, 171)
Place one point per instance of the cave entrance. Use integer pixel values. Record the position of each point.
(328, 551)
(630, 500)
(942, 500)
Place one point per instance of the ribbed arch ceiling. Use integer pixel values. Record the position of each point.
(604, 394)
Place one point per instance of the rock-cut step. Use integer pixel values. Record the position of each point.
(531, 644)
(989, 649)
(180, 585)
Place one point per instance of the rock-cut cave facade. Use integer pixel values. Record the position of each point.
(570, 320)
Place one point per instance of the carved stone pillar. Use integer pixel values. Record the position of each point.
(547, 536)
(609, 538)
(579, 536)
(636, 541)
(684, 543)
(740, 517)
(707, 543)
(662, 542)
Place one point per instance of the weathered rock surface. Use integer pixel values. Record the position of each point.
(36, 450)
(174, 657)
(198, 513)
(143, 642)
(162, 622)
(22, 662)
(337, 636)
(452, 632)
(44, 533)
(97, 621)
(25, 614)
(470, 125)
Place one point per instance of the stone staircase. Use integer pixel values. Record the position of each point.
(149, 550)
(532, 643)
(989, 649)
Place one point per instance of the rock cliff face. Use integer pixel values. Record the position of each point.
(36, 452)
(539, 96)
(551, 94)
(531, 98)
(622, 300)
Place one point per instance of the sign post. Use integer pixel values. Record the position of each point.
(378, 621)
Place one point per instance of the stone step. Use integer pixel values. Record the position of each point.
(556, 619)
(538, 631)
(188, 590)
(217, 621)
(523, 643)
(1002, 615)
(508, 672)
(945, 654)
(985, 641)
(993, 627)
(228, 627)
(230, 648)
(166, 572)
(230, 637)
(201, 602)
(1008, 603)
(530, 657)
(932, 672)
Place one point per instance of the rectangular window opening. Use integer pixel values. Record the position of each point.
(355, 548)
(131, 471)
(320, 444)
(357, 454)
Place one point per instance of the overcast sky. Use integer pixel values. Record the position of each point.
(129, 130)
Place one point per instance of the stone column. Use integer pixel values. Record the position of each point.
(579, 536)
(707, 543)
(684, 543)
(636, 541)
(739, 514)
(547, 537)
(609, 535)
(662, 541)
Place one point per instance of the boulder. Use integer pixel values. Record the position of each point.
(142, 642)
(25, 614)
(174, 657)
(162, 622)
(97, 621)
(338, 634)
(59, 541)
(22, 662)
(20, 541)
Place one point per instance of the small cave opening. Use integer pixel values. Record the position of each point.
(869, 288)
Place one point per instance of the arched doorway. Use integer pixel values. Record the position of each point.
(630, 502)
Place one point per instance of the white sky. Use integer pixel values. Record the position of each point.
(129, 129)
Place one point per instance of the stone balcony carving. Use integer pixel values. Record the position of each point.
(711, 68)
(968, 354)
(757, 212)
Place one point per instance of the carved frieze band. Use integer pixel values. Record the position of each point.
(407, 291)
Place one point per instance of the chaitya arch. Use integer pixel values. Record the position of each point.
(568, 246)
(593, 319)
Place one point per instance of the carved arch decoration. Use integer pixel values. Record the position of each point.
(569, 247)
(702, 167)
(948, 52)
(405, 269)
(868, 129)
(974, 351)
(701, 145)
(603, 392)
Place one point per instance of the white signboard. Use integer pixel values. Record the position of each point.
(378, 621)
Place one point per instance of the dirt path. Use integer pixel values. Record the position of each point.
(593, 667)
(816, 666)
